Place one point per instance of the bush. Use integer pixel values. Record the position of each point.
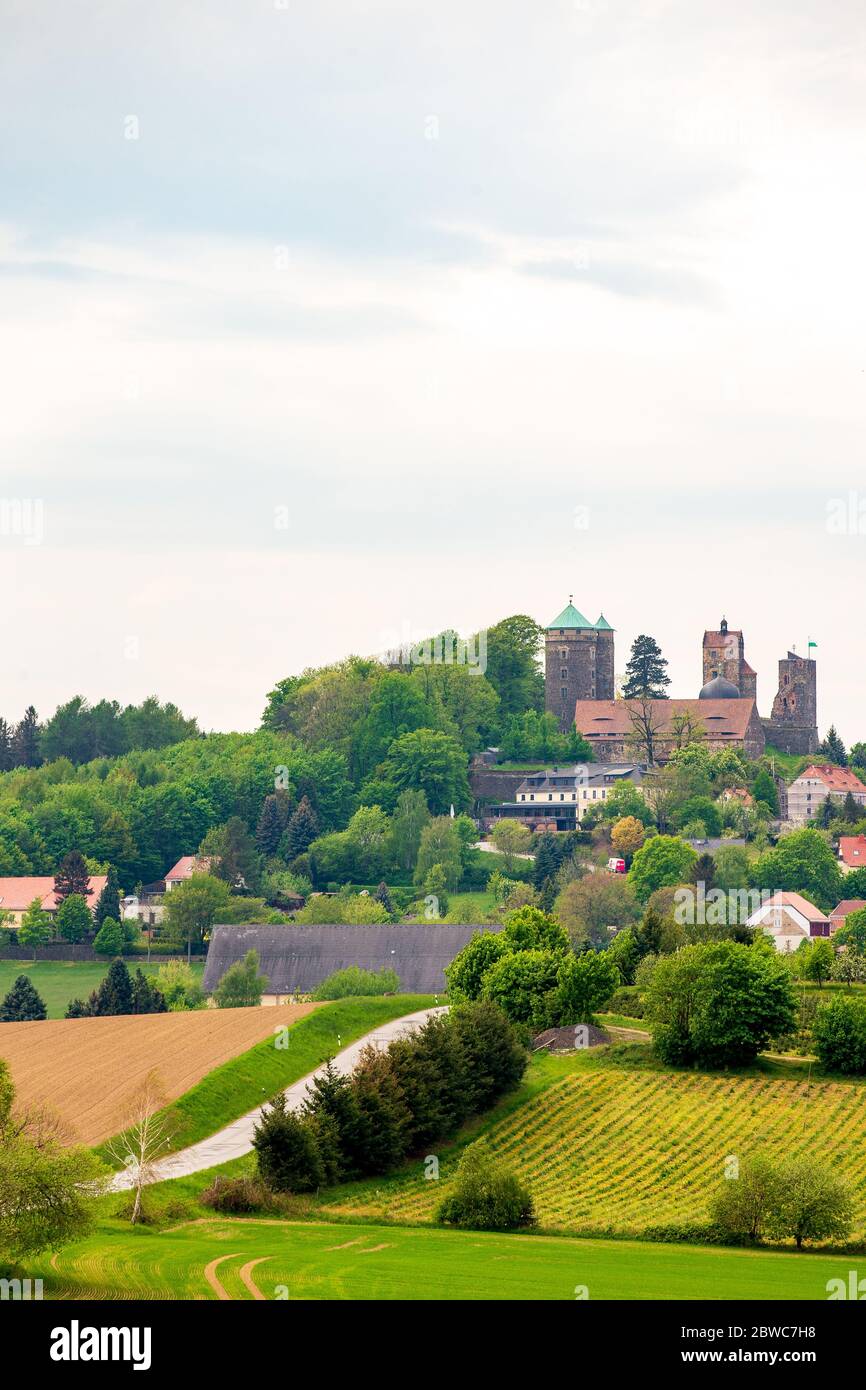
(839, 1033)
(356, 981)
(110, 939)
(627, 1001)
(241, 985)
(287, 1152)
(240, 1195)
(487, 1195)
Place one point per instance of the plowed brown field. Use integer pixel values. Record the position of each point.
(84, 1069)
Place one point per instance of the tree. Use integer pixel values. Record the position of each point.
(731, 868)
(646, 676)
(408, 821)
(109, 940)
(703, 871)
(839, 1034)
(814, 1202)
(26, 743)
(627, 836)
(36, 928)
(522, 984)
(465, 974)
(429, 761)
(114, 993)
(512, 664)
(831, 749)
(363, 908)
(179, 986)
(435, 888)
(511, 839)
(146, 997)
(302, 829)
(719, 1004)
(663, 861)
(820, 963)
(287, 1153)
(486, 1195)
(592, 908)
(108, 902)
(192, 908)
(72, 877)
(744, 1202)
(241, 985)
(48, 1190)
(148, 1129)
(440, 844)
(647, 725)
(23, 1003)
(584, 983)
(367, 835)
(764, 789)
(74, 921)
(383, 896)
(271, 824)
(852, 933)
(7, 752)
(233, 855)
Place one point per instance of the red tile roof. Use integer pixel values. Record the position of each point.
(801, 904)
(720, 718)
(186, 866)
(838, 779)
(846, 907)
(16, 894)
(852, 851)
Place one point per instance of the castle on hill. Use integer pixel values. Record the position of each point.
(579, 690)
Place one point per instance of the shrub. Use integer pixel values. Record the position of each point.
(353, 980)
(287, 1153)
(240, 1195)
(110, 939)
(839, 1032)
(23, 1003)
(745, 1200)
(241, 985)
(487, 1195)
(814, 1203)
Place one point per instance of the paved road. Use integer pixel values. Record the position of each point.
(237, 1138)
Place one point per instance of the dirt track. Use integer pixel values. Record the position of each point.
(85, 1068)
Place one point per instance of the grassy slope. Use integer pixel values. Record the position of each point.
(59, 981)
(619, 1147)
(255, 1076)
(374, 1262)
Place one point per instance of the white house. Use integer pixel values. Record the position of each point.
(790, 920)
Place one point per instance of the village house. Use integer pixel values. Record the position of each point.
(184, 869)
(810, 790)
(558, 798)
(790, 919)
(852, 852)
(16, 895)
(842, 911)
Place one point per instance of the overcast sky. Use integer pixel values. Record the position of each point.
(325, 323)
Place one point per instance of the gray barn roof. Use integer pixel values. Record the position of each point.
(297, 958)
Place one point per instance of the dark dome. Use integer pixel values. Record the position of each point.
(719, 689)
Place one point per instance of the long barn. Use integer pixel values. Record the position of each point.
(297, 958)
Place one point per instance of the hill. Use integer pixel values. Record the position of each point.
(635, 1151)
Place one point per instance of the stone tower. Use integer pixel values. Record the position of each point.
(793, 724)
(578, 663)
(724, 655)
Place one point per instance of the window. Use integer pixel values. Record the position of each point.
(563, 675)
(564, 692)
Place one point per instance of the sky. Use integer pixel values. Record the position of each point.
(324, 325)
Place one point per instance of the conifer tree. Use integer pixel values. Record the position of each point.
(270, 827)
(646, 676)
(7, 759)
(23, 1003)
(114, 995)
(72, 877)
(108, 902)
(301, 830)
(26, 743)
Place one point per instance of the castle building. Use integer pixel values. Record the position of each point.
(793, 723)
(578, 663)
(724, 655)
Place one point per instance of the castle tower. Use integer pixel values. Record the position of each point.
(578, 663)
(724, 655)
(793, 724)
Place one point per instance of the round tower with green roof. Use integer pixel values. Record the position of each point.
(578, 663)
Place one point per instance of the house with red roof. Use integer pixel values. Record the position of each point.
(16, 895)
(808, 792)
(184, 869)
(843, 910)
(852, 852)
(790, 919)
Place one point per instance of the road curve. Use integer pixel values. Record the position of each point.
(236, 1139)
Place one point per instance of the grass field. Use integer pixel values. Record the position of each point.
(59, 981)
(625, 1150)
(236, 1259)
(236, 1087)
(86, 1069)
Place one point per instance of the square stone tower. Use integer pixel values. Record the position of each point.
(793, 724)
(724, 655)
(578, 663)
